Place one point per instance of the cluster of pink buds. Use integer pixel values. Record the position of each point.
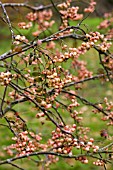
(94, 36)
(91, 7)
(45, 105)
(43, 19)
(104, 24)
(62, 141)
(109, 35)
(26, 143)
(51, 159)
(24, 25)
(68, 12)
(73, 13)
(19, 39)
(32, 16)
(107, 21)
(44, 15)
(76, 116)
(5, 78)
(61, 57)
(82, 159)
(14, 95)
(108, 61)
(64, 5)
(104, 46)
(108, 107)
(54, 79)
(50, 45)
(72, 53)
(40, 114)
(73, 104)
(85, 145)
(107, 15)
(80, 67)
(99, 163)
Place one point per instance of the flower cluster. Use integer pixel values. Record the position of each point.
(104, 46)
(93, 38)
(24, 25)
(109, 35)
(14, 95)
(5, 78)
(42, 18)
(76, 116)
(91, 7)
(32, 16)
(54, 79)
(50, 45)
(19, 39)
(62, 142)
(68, 12)
(86, 145)
(105, 24)
(99, 163)
(82, 159)
(26, 143)
(108, 107)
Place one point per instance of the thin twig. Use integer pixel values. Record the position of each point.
(85, 80)
(15, 166)
(2, 103)
(8, 20)
(34, 8)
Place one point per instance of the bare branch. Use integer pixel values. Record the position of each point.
(34, 8)
(8, 20)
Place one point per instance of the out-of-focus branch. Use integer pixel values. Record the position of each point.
(7, 19)
(16, 166)
(34, 8)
